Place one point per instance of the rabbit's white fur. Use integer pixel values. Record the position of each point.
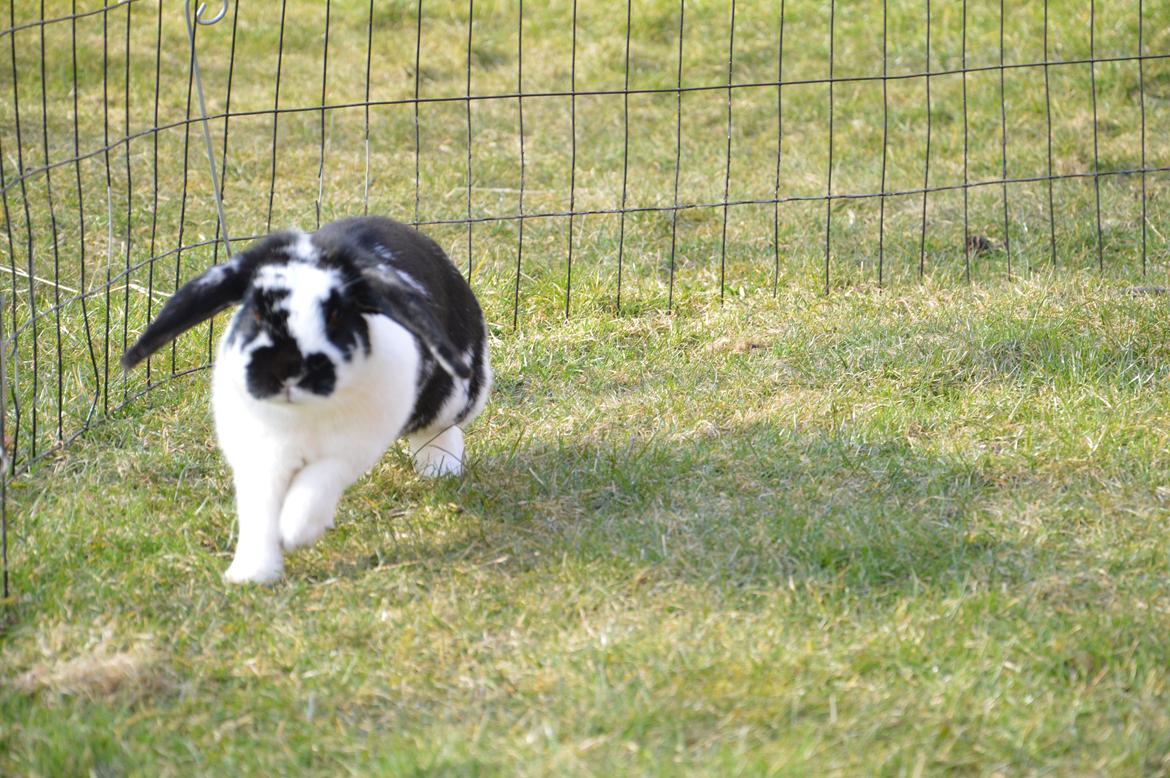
(291, 462)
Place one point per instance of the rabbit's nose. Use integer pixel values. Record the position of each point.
(271, 368)
(286, 363)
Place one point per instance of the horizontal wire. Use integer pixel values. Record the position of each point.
(619, 211)
(67, 17)
(801, 198)
(31, 172)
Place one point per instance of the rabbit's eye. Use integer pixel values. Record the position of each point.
(257, 316)
(334, 321)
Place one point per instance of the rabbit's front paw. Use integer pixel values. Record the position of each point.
(254, 568)
(311, 502)
(301, 526)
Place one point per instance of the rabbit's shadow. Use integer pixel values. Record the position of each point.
(745, 507)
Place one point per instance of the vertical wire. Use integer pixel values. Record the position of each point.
(926, 166)
(3, 450)
(779, 156)
(572, 158)
(966, 161)
(1096, 154)
(186, 165)
(369, 59)
(109, 208)
(727, 169)
(81, 225)
(1007, 238)
(417, 134)
(470, 28)
(276, 114)
(677, 156)
(197, 76)
(520, 110)
(324, 85)
(885, 145)
(829, 171)
(129, 203)
(1142, 104)
(154, 196)
(32, 301)
(107, 289)
(227, 113)
(53, 227)
(4, 444)
(15, 339)
(625, 157)
(4, 465)
(222, 179)
(1048, 114)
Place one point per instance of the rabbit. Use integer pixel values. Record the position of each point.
(345, 340)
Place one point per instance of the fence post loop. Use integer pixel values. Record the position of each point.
(203, 7)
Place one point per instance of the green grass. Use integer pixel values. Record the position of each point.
(910, 529)
(872, 532)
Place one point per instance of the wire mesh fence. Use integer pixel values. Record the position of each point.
(612, 155)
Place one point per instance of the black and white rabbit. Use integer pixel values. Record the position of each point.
(345, 340)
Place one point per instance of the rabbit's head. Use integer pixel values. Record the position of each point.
(301, 332)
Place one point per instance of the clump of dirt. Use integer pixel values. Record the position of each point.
(100, 670)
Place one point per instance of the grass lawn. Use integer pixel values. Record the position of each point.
(907, 528)
(875, 531)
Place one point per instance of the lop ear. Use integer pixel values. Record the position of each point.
(393, 298)
(198, 300)
(201, 298)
